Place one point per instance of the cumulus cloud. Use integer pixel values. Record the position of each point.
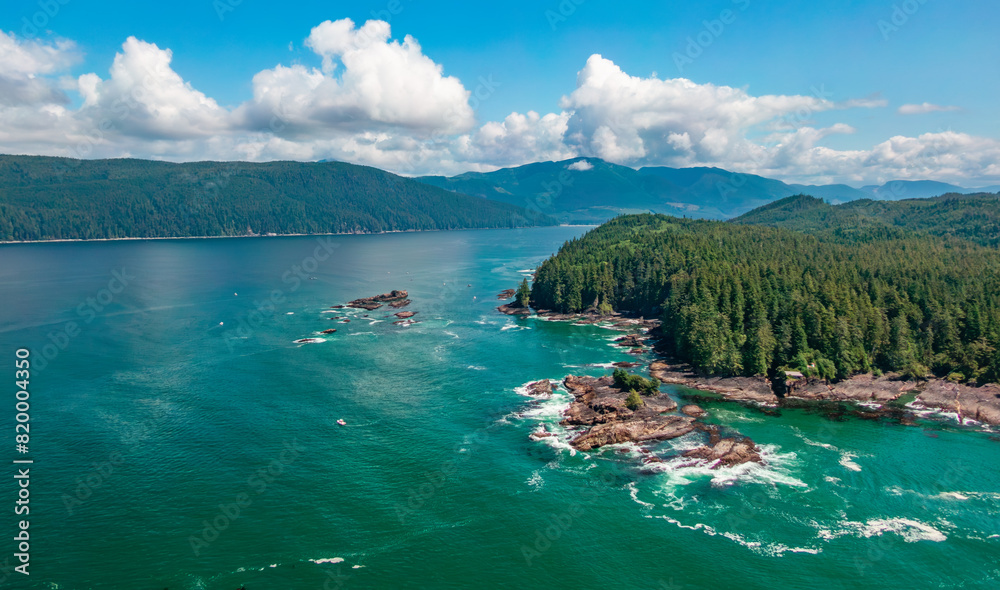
(923, 109)
(367, 82)
(648, 121)
(144, 97)
(378, 101)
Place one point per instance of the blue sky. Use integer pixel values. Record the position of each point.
(832, 55)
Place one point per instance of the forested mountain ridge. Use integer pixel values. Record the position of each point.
(745, 299)
(591, 190)
(973, 217)
(61, 198)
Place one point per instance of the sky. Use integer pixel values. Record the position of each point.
(827, 91)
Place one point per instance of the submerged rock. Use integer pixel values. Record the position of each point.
(399, 304)
(330, 331)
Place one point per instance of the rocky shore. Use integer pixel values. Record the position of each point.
(885, 395)
(603, 414)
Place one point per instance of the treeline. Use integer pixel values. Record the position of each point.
(746, 300)
(972, 217)
(60, 198)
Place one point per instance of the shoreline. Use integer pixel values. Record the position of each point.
(379, 233)
(888, 395)
(883, 396)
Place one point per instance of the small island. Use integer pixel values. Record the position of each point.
(377, 301)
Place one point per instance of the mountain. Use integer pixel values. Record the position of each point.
(581, 190)
(590, 190)
(895, 190)
(971, 217)
(61, 198)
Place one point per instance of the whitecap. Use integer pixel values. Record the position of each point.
(847, 463)
(328, 560)
(910, 530)
(535, 481)
(309, 340)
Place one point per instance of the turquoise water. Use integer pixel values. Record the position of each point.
(184, 402)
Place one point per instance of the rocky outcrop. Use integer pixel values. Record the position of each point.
(405, 314)
(541, 388)
(860, 388)
(634, 430)
(514, 310)
(981, 404)
(886, 392)
(330, 331)
(375, 302)
(728, 452)
(753, 389)
(506, 294)
(599, 405)
(632, 340)
(693, 411)
(399, 304)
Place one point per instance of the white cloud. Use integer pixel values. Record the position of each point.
(639, 121)
(923, 109)
(144, 97)
(382, 102)
(580, 166)
(28, 57)
(367, 82)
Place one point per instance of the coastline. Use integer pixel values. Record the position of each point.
(885, 395)
(378, 233)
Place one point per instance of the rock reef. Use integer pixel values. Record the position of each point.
(602, 409)
(376, 301)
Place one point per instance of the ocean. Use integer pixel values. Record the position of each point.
(181, 438)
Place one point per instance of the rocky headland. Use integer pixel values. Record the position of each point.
(602, 414)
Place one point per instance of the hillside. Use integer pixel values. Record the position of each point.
(60, 198)
(589, 190)
(740, 299)
(972, 217)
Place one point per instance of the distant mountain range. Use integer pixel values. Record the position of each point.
(60, 198)
(590, 190)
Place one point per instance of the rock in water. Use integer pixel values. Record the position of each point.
(405, 314)
(728, 452)
(694, 411)
(375, 302)
(639, 430)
